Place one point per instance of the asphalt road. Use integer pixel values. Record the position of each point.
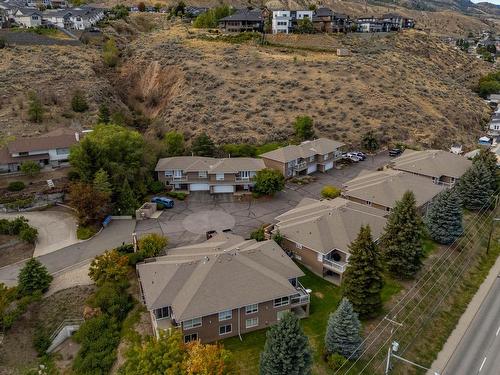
(114, 235)
(479, 349)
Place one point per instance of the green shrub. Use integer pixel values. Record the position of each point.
(110, 53)
(336, 361)
(210, 19)
(33, 278)
(112, 299)
(258, 234)
(73, 175)
(20, 203)
(269, 182)
(330, 192)
(29, 234)
(126, 248)
(16, 186)
(84, 233)
(156, 187)
(41, 341)
(180, 195)
(489, 84)
(30, 168)
(78, 102)
(278, 238)
(240, 150)
(152, 244)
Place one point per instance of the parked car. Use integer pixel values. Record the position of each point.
(359, 154)
(395, 152)
(166, 202)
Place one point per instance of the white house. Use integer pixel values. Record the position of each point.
(28, 17)
(80, 18)
(284, 21)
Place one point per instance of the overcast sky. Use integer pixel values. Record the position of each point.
(489, 1)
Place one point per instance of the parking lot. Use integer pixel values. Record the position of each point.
(189, 220)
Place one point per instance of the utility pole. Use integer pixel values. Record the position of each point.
(393, 348)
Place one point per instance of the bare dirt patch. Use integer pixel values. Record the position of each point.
(13, 250)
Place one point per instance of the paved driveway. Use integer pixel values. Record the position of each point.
(56, 228)
(188, 221)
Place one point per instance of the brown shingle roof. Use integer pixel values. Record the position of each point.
(223, 273)
(320, 146)
(41, 143)
(211, 165)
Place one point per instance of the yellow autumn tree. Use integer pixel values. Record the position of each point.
(110, 266)
(208, 359)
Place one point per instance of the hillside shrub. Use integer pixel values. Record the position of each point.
(78, 102)
(16, 186)
(110, 53)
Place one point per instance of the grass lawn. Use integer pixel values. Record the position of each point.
(428, 246)
(324, 299)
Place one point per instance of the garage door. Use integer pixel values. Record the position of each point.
(224, 189)
(329, 165)
(311, 169)
(199, 187)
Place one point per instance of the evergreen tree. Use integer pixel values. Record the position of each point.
(342, 332)
(78, 102)
(369, 142)
(127, 203)
(101, 182)
(475, 186)
(33, 277)
(402, 240)
(103, 117)
(444, 218)
(174, 142)
(489, 160)
(363, 280)
(203, 145)
(286, 350)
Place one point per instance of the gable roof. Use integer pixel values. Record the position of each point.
(388, 186)
(27, 12)
(320, 146)
(244, 15)
(329, 224)
(433, 163)
(223, 273)
(211, 165)
(42, 143)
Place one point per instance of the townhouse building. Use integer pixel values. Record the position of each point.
(308, 157)
(243, 20)
(285, 21)
(28, 17)
(441, 167)
(318, 233)
(51, 149)
(224, 287)
(382, 189)
(197, 173)
(327, 21)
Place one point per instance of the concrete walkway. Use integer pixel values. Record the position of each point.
(78, 254)
(465, 321)
(56, 229)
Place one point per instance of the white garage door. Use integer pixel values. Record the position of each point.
(224, 189)
(199, 187)
(311, 168)
(329, 165)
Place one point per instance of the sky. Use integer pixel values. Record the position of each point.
(497, 2)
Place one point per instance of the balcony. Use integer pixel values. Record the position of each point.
(300, 166)
(243, 179)
(301, 298)
(334, 266)
(176, 178)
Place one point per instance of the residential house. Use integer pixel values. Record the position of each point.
(286, 21)
(51, 149)
(370, 25)
(494, 126)
(440, 166)
(306, 158)
(59, 18)
(85, 17)
(197, 173)
(28, 17)
(224, 287)
(327, 21)
(243, 20)
(383, 188)
(318, 233)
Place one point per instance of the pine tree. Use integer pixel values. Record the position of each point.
(363, 280)
(287, 349)
(489, 160)
(402, 240)
(342, 332)
(203, 145)
(127, 203)
(33, 277)
(475, 186)
(444, 218)
(101, 181)
(103, 117)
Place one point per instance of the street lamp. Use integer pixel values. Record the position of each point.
(393, 349)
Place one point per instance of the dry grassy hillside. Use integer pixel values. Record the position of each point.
(54, 73)
(407, 87)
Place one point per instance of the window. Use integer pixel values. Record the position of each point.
(219, 176)
(368, 203)
(280, 314)
(193, 323)
(169, 173)
(283, 301)
(24, 153)
(252, 322)
(311, 158)
(225, 315)
(162, 313)
(177, 173)
(202, 174)
(251, 309)
(191, 337)
(62, 151)
(325, 157)
(224, 330)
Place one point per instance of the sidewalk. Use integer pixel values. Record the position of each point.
(465, 320)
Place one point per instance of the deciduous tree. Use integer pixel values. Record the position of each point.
(109, 267)
(35, 108)
(287, 349)
(30, 168)
(269, 182)
(444, 218)
(402, 240)
(343, 331)
(101, 182)
(152, 244)
(363, 279)
(174, 143)
(208, 359)
(369, 142)
(303, 126)
(203, 146)
(91, 205)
